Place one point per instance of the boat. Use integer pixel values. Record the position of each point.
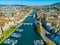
(15, 35)
(10, 41)
(19, 30)
(38, 42)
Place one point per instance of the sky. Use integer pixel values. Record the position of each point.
(28, 2)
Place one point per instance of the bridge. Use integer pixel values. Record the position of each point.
(32, 15)
(27, 24)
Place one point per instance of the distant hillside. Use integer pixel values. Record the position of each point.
(56, 4)
(14, 5)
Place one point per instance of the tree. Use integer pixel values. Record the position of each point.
(39, 28)
(2, 29)
(48, 43)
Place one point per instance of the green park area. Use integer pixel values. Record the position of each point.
(38, 29)
(48, 43)
(7, 33)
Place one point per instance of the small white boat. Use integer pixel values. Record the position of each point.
(16, 35)
(38, 42)
(10, 41)
(19, 30)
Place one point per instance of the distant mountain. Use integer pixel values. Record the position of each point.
(14, 5)
(52, 5)
(56, 4)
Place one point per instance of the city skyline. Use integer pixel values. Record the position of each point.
(28, 2)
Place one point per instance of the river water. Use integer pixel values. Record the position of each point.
(28, 34)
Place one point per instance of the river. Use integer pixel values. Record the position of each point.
(28, 35)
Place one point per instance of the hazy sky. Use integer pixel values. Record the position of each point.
(29, 2)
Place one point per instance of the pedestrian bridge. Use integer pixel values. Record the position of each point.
(32, 15)
(27, 24)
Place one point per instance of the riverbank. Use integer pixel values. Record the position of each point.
(7, 35)
(47, 40)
